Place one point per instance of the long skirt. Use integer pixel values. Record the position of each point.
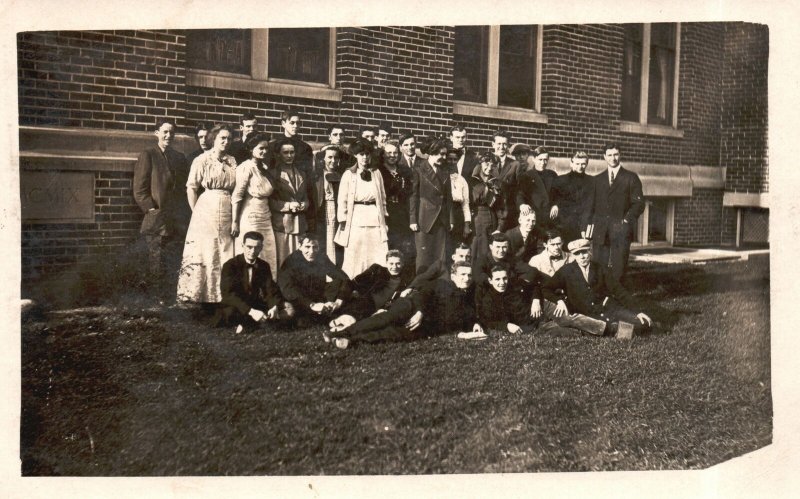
(431, 246)
(256, 217)
(364, 248)
(208, 245)
(484, 222)
(285, 244)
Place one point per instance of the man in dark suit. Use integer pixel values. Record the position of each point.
(501, 303)
(200, 132)
(408, 150)
(468, 159)
(311, 282)
(588, 288)
(508, 171)
(523, 240)
(248, 124)
(572, 198)
(617, 204)
(249, 295)
(447, 306)
(430, 205)
(159, 188)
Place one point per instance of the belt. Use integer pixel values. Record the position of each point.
(364, 202)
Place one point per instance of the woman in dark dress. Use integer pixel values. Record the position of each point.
(397, 183)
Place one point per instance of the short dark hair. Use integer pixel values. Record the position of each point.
(366, 128)
(435, 145)
(551, 234)
(501, 133)
(331, 128)
(162, 121)
(406, 136)
(307, 236)
(498, 237)
(278, 143)
(498, 267)
(610, 145)
(201, 125)
(287, 114)
(386, 127)
(254, 139)
(540, 150)
(247, 117)
(330, 147)
(212, 134)
(255, 236)
(458, 127)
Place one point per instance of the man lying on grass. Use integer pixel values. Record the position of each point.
(249, 295)
(447, 307)
(588, 288)
(376, 289)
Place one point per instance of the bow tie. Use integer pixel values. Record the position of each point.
(555, 258)
(250, 265)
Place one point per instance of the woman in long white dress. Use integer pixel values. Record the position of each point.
(361, 212)
(209, 242)
(250, 200)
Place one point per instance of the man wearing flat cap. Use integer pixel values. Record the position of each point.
(588, 288)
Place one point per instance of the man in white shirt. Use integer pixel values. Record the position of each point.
(553, 257)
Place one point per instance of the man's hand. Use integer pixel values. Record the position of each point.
(513, 328)
(467, 230)
(379, 311)
(342, 225)
(272, 313)
(645, 319)
(415, 320)
(334, 305)
(414, 227)
(536, 308)
(477, 328)
(317, 307)
(553, 212)
(561, 309)
(406, 292)
(234, 229)
(256, 314)
(524, 210)
(452, 226)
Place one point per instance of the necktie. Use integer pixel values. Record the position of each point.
(611, 180)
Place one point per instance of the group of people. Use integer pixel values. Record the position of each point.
(360, 234)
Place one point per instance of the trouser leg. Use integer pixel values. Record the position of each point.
(386, 326)
(575, 321)
(618, 313)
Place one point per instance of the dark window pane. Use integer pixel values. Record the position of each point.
(225, 50)
(632, 72)
(470, 63)
(517, 77)
(299, 54)
(662, 73)
(657, 220)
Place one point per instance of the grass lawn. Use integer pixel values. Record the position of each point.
(129, 390)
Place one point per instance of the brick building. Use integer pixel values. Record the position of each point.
(687, 103)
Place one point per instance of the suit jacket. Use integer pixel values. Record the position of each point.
(584, 297)
(305, 282)
(532, 190)
(263, 294)
(301, 191)
(496, 310)
(417, 162)
(520, 274)
(431, 197)
(573, 194)
(519, 249)
(446, 308)
(471, 160)
(239, 152)
(398, 192)
(334, 178)
(159, 181)
(614, 204)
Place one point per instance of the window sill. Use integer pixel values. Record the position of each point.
(501, 113)
(656, 130)
(196, 78)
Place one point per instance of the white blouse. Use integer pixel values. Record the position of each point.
(461, 194)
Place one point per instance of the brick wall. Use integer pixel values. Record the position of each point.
(728, 237)
(54, 247)
(100, 79)
(744, 118)
(698, 218)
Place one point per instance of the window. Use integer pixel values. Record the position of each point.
(655, 226)
(297, 62)
(650, 66)
(497, 72)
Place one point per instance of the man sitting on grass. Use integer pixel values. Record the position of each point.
(249, 295)
(377, 288)
(447, 307)
(311, 282)
(501, 304)
(588, 288)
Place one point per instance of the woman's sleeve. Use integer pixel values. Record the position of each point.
(243, 174)
(465, 200)
(341, 202)
(195, 175)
